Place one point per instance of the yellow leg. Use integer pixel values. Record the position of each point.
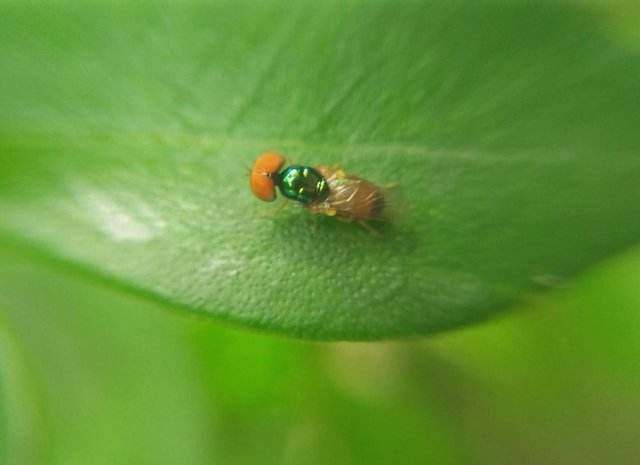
(364, 224)
(368, 227)
(275, 211)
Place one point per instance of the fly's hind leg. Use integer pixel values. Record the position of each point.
(363, 223)
(368, 227)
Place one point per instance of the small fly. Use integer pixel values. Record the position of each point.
(323, 189)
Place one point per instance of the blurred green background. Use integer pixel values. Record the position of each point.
(99, 371)
(93, 376)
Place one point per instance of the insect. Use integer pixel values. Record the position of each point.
(321, 189)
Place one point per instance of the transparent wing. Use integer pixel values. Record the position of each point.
(356, 198)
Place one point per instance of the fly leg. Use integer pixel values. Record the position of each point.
(368, 227)
(275, 211)
(364, 224)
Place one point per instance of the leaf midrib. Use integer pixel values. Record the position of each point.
(204, 141)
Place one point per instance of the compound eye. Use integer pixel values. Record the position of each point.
(261, 180)
(263, 187)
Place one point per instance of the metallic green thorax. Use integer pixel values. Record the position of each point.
(303, 184)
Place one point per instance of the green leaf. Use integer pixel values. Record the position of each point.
(512, 129)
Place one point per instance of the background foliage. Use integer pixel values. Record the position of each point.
(93, 376)
(124, 132)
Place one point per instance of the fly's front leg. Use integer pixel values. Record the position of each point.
(275, 211)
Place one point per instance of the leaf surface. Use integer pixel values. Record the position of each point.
(126, 132)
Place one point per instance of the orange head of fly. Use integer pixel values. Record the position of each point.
(262, 174)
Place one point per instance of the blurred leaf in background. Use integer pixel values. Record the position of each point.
(96, 377)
